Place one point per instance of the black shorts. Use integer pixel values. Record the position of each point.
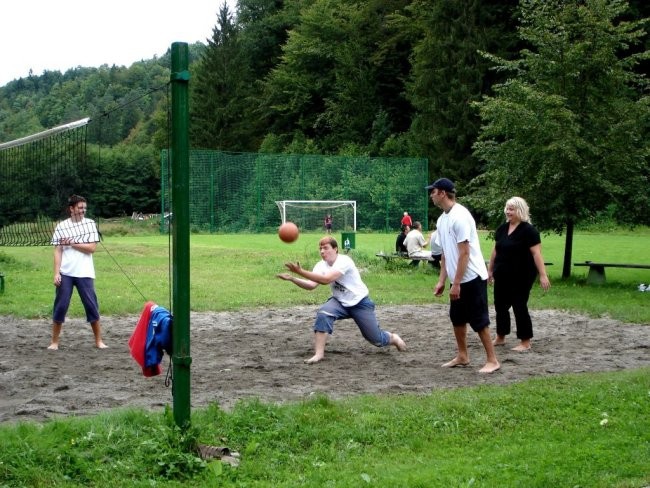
(472, 306)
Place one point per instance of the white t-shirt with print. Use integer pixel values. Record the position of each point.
(73, 262)
(348, 289)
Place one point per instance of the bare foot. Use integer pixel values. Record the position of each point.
(499, 341)
(54, 346)
(521, 348)
(397, 342)
(314, 359)
(456, 363)
(101, 345)
(490, 368)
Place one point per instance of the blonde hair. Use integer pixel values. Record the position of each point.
(521, 208)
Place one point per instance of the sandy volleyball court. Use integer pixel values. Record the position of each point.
(259, 353)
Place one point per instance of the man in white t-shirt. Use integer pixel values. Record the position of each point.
(462, 261)
(75, 240)
(349, 298)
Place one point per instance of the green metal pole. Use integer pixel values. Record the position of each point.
(425, 173)
(164, 177)
(181, 359)
(212, 200)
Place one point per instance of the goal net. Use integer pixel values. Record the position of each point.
(311, 215)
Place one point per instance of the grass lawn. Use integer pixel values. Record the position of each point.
(588, 430)
(232, 271)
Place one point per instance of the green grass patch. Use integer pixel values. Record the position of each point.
(234, 271)
(588, 430)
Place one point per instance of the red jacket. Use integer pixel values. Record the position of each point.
(152, 335)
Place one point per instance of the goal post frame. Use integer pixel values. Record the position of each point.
(282, 206)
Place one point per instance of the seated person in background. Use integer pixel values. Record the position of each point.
(436, 250)
(400, 248)
(415, 243)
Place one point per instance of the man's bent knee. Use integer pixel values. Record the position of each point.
(324, 323)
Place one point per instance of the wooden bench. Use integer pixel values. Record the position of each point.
(401, 255)
(596, 274)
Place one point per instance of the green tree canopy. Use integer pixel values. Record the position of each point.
(448, 74)
(569, 130)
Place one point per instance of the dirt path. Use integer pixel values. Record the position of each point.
(259, 353)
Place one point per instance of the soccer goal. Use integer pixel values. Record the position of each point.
(311, 214)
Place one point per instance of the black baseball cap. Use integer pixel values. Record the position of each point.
(442, 184)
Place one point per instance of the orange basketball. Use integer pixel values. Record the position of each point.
(288, 232)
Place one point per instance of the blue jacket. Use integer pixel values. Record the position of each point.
(152, 335)
(159, 336)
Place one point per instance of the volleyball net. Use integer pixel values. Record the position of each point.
(37, 175)
(229, 192)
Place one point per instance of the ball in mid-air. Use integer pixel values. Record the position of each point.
(288, 232)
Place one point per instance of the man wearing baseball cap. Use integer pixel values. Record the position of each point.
(462, 261)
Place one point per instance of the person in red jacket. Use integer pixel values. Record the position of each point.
(407, 220)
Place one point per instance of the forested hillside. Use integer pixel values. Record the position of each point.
(128, 109)
(38, 102)
(375, 77)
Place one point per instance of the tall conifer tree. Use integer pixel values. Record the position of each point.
(449, 74)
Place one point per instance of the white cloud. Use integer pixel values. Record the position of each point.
(61, 34)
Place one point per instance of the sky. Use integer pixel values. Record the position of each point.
(57, 35)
